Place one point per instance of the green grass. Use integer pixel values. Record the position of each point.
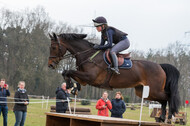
(36, 115)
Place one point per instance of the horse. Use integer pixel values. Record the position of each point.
(162, 79)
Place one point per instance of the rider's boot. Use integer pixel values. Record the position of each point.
(115, 63)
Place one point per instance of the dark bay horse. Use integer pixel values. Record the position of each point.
(91, 69)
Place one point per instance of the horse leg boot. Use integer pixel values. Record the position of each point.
(115, 63)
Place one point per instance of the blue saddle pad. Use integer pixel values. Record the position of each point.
(127, 64)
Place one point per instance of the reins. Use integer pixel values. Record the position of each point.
(89, 59)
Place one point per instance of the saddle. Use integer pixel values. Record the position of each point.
(124, 60)
(120, 57)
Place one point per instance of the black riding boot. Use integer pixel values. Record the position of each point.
(115, 63)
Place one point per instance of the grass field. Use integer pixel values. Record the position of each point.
(36, 115)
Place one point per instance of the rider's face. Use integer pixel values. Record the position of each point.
(99, 28)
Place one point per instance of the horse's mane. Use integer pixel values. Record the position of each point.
(72, 36)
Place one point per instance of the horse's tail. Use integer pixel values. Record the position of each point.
(171, 86)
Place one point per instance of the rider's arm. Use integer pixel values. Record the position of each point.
(109, 35)
(102, 42)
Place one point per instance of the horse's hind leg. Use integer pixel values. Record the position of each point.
(163, 115)
(169, 112)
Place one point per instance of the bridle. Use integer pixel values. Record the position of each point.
(62, 56)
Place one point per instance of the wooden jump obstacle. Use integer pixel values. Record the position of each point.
(83, 111)
(180, 118)
(62, 119)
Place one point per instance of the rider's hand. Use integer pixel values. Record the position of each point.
(96, 47)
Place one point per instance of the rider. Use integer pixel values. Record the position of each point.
(111, 35)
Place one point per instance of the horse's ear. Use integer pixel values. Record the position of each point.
(51, 37)
(84, 35)
(55, 36)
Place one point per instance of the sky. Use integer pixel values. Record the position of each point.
(149, 23)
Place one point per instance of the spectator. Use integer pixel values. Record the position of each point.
(61, 96)
(20, 107)
(118, 106)
(4, 92)
(103, 105)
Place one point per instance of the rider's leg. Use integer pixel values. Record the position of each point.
(120, 46)
(115, 62)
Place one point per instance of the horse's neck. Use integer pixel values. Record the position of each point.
(80, 49)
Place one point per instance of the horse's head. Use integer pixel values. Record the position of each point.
(57, 51)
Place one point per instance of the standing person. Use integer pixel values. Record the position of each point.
(61, 96)
(118, 106)
(20, 107)
(103, 105)
(4, 92)
(112, 36)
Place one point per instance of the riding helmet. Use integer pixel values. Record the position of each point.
(99, 21)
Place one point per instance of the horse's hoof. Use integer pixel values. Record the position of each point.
(169, 117)
(161, 119)
(169, 121)
(64, 73)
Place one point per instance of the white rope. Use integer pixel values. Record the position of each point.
(19, 98)
(28, 99)
(55, 100)
(37, 102)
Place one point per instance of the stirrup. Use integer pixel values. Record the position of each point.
(115, 70)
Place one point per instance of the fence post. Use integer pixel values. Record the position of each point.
(42, 101)
(75, 103)
(47, 103)
(69, 105)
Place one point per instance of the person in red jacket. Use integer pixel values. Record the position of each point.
(103, 105)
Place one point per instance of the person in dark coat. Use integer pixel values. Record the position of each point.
(112, 36)
(4, 92)
(20, 107)
(118, 106)
(61, 96)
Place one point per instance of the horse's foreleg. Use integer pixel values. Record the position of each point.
(68, 82)
(79, 76)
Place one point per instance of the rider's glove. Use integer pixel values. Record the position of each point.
(96, 47)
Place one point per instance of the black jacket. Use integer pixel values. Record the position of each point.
(3, 94)
(111, 35)
(21, 97)
(61, 95)
(118, 108)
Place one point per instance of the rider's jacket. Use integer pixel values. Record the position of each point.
(111, 35)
